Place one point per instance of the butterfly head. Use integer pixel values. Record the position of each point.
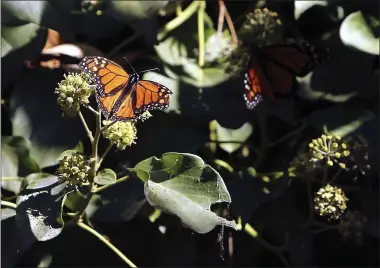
(134, 78)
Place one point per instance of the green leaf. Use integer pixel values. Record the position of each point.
(105, 176)
(15, 162)
(49, 14)
(13, 38)
(134, 10)
(340, 120)
(301, 6)
(139, 15)
(178, 54)
(75, 201)
(65, 153)
(237, 135)
(39, 206)
(9, 160)
(183, 185)
(79, 147)
(7, 213)
(355, 32)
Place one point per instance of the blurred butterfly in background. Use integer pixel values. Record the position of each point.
(122, 96)
(274, 69)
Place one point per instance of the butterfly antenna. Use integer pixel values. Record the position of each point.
(130, 64)
(154, 69)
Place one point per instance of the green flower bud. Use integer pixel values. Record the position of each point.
(120, 134)
(73, 92)
(73, 169)
(330, 201)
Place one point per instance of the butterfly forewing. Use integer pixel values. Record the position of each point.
(108, 75)
(274, 68)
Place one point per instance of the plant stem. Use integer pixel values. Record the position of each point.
(325, 174)
(107, 243)
(8, 204)
(201, 33)
(11, 178)
(178, 8)
(230, 24)
(222, 12)
(101, 188)
(88, 131)
(93, 168)
(186, 14)
(104, 154)
(92, 109)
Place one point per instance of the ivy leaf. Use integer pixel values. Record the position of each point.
(179, 54)
(355, 32)
(15, 162)
(39, 206)
(7, 213)
(183, 185)
(237, 135)
(105, 176)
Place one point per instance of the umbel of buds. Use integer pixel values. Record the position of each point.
(329, 148)
(73, 169)
(120, 134)
(330, 201)
(261, 26)
(73, 92)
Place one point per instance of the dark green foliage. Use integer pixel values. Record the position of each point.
(252, 167)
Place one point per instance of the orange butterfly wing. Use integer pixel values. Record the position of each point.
(142, 96)
(118, 107)
(109, 76)
(151, 95)
(256, 84)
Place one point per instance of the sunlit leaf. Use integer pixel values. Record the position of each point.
(7, 213)
(183, 185)
(39, 206)
(301, 6)
(356, 33)
(235, 135)
(105, 176)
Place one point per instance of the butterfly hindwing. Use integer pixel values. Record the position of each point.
(256, 84)
(151, 95)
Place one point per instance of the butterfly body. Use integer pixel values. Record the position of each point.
(275, 68)
(123, 96)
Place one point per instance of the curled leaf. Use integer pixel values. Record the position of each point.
(183, 185)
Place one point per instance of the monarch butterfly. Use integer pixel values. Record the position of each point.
(123, 96)
(274, 68)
